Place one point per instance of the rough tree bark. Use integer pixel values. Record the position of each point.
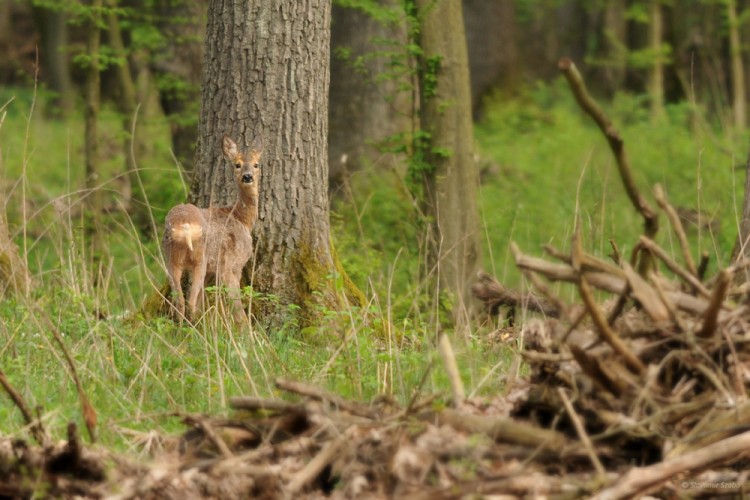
(451, 186)
(266, 73)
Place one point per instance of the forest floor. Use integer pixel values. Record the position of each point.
(643, 395)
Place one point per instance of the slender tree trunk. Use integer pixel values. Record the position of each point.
(55, 62)
(267, 73)
(739, 101)
(656, 77)
(178, 70)
(127, 102)
(452, 184)
(94, 205)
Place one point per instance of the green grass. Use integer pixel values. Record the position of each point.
(137, 372)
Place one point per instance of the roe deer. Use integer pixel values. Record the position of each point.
(215, 243)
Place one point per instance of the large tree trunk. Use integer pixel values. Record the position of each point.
(452, 184)
(266, 73)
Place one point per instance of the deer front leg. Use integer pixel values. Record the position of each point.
(232, 282)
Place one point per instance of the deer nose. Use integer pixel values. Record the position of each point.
(247, 178)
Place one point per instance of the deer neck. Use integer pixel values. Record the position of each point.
(246, 209)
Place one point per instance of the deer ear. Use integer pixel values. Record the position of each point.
(257, 144)
(229, 148)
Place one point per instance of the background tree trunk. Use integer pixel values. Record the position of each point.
(452, 185)
(266, 73)
(178, 72)
(94, 231)
(54, 60)
(656, 77)
(490, 29)
(739, 102)
(361, 111)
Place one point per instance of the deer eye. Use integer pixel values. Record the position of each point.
(238, 165)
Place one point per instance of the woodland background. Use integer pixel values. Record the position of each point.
(671, 74)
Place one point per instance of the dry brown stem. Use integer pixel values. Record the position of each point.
(676, 223)
(711, 315)
(688, 276)
(37, 430)
(616, 144)
(451, 368)
(639, 480)
(320, 394)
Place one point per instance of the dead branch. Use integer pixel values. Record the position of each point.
(717, 299)
(316, 465)
(616, 144)
(689, 277)
(321, 394)
(494, 296)
(676, 223)
(639, 480)
(37, 430)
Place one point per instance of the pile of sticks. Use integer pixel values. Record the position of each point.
(653, 383)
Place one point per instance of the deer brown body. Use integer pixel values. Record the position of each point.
(214, 244)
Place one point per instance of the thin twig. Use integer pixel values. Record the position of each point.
(315, 466)
(676, 223)
(320, 394)
(617, 145)
(451, 368)
(710, 317)
(689, 276)
(37, 430)
(581, 431)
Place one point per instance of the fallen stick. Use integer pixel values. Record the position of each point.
(494, 295)
(501, 429)
(689, 277)
(581, 431)
(315, 466)
(321, 394)
(639, 480)
(255, 404)
(710, 318)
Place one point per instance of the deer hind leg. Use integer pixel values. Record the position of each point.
(196, 287)
(175, 283)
